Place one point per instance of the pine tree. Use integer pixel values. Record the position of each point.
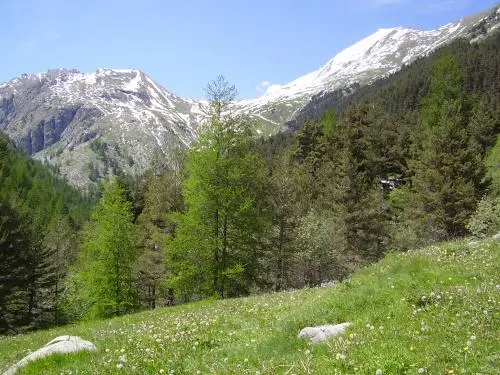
(354, 194)
(162, 197)
(287, 195)
(448, 171)
(14, 250)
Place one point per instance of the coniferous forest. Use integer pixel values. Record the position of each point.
(408, 161)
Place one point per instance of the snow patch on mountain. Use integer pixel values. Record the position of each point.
(67, 109)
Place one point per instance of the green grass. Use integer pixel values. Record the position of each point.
(433, 311)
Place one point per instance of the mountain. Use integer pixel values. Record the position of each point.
(57, 115)
(378, 55)
(115, 121)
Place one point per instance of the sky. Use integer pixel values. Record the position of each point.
(184, 44)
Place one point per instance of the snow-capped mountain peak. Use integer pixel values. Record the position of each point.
(63, 116)
(377, 55)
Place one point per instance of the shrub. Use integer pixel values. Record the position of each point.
(486, 220)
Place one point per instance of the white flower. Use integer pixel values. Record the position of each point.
(378, 372)
(473, 338)
(421, 370)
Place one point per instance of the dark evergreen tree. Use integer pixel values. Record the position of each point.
(355, 192)
(14, 252)
(287, 195)
(162, 197)
(448, 170)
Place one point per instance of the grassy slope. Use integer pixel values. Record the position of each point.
(436, 310)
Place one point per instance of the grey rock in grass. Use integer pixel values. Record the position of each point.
(322, 333)
(61, 344)
(496, 237)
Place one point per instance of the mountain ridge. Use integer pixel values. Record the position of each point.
(54, 116)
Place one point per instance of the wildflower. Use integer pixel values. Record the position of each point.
(119, 366)
(378, 372)
(421, 370)
(473, 337)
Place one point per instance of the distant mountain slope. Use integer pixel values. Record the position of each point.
(115, 121)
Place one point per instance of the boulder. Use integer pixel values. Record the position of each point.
(322, 333)
(61, 344)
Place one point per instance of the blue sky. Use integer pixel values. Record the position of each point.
(184, 44)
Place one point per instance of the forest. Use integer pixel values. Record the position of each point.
(408, 161)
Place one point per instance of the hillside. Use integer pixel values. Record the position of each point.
(431, 311)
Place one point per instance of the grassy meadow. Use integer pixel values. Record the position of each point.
(431, 311)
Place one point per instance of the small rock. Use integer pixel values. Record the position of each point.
(61, 344)
(322, 333)
(328, 284)
(496, 237)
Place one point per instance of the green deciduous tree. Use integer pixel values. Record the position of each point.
(216, 248)
(103, 282)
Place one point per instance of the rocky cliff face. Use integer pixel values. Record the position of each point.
(90, 125)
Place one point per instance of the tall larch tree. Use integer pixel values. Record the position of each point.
(216, 248)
